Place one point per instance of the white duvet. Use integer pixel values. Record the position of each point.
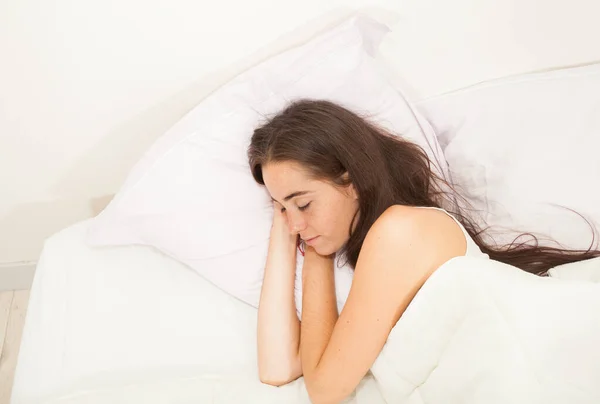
(480, 331)
(129, 325)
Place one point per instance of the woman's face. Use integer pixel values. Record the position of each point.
(319, 211)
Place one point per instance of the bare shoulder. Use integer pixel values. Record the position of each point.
(400, 217)
(401, 250)
(423, 238)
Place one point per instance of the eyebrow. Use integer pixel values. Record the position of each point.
(293, 195)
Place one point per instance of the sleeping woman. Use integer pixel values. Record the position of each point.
(341, 185)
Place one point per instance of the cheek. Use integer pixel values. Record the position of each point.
(332, 219)
(332, 222)
(345, 215)
(320, 221)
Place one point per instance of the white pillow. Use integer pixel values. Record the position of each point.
(522, 147)
(192, 195)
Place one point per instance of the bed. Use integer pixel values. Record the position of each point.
(125, 325)
(129, 324)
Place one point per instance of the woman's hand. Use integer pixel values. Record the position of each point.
(319, 312)
(280, 228)
(278, 325)
(313, 261)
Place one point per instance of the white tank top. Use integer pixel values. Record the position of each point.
(472, 248)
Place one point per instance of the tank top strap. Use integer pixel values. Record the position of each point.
(472, 247)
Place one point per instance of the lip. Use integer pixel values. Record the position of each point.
(311, 240)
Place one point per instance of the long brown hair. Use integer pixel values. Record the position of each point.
(330, 140)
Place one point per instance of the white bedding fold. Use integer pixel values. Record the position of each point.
(480, 331)
(129, 325)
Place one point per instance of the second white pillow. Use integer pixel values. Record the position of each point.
(525, 147)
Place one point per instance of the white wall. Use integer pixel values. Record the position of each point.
(85, 87)
(439, 46)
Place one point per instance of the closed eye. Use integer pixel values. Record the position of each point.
(303, 208)
(300, 208)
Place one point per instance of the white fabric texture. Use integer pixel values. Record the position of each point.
(130, 325)
(588, 270)
(192, 195)
(125, 325)
(480, 331)
(522, 149)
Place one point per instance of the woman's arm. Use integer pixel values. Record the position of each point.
(319, 311)
(401, 250)
(278, 325)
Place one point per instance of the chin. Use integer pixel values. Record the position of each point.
(325, 250)
(322, 251)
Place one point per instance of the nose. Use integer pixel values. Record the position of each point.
(296, 222)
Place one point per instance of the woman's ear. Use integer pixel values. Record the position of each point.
(350, 189)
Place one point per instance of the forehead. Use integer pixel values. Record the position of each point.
(284, 171)
(283, 178)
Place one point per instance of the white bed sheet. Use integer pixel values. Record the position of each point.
(130, 325)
